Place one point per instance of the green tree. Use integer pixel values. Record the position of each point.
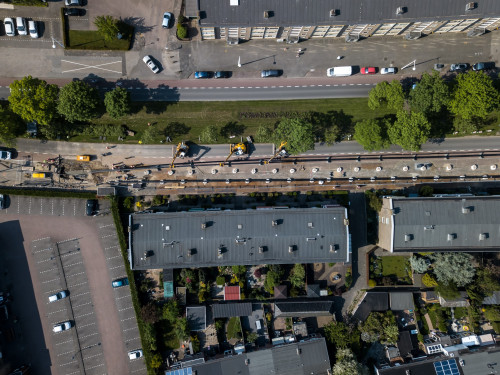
(447, 290)
(34, 100)
(426, 191)
(181, 329)
(391, 334)
(150, 135)
(371, 134)
(429, 281)
(298, 133)
(79, 101)
(347, 364)
(171, 310)
(492, 313)
(117, 102)
(239, 270)
(264, 134)
(150, 313)
(332, 134)
(181, 31)
(387, 94)
(474, 96)
(454, 267)
(418, 264)
(156, 361)
(430, 95)
(107, 27)
(274, 276)
(195, 342)
(297, 276)
(10, 127)
(485, 283)
(252, 337)
(209, 134)
(189, 279)
(410, 130)
(339, 334)
(373, 328)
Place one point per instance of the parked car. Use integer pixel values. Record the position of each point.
(119, 282)
(483, 66)
(199, 75)
(167, 20)
(460, 67)
(388, 70)
(33, 29)
(5, 155)
(63, 326)
(151, 65)
(10, 26)
(135, 354)
(368, 70)
(21, 26)
(270, 73)
(73, 2)
(90, 207)
(73, 12)
(438, 67)
(56, 297)
(2, 205)
(337, 277)
(222, 74)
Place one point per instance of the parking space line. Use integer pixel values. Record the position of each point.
(52, 269)
(116, 256)
(112, 268)
(107, 225)
(86, 325)
(125, 296)
(90, 368)
(111, 247)
(81, 294)
(81, 316)
(69, 363)
(141, 369)
(108, 235)
(74, 372)
(55, 312)
(123, 320)
(85, 304)
(92, 356)
(49, 281)
(72, 286)
(39, 251)
(92, 334)
(73, 264)
(40, 239)
(45, 260)
(135, 338)
(126, 308)
(129, 329)
(64, 342)
(76, 274)
(71, 351)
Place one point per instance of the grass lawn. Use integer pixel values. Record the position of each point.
(186, 120)
(461, 312)
(234, 328)
(88, 39)
(394, 265)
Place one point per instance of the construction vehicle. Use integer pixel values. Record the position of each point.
(83, 157)
(236, 149)
(180, 152)
(280, 152)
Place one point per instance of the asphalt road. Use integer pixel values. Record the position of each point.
(207, 152)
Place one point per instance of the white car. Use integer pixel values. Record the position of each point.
(5, 155)
(21, 26)
(134, 354)
(151, 65)
(10, 26)
(32, 27)
(59, 327)
(55, 297)
(388, 71)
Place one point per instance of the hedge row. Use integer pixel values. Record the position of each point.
(64, 27)
(48, 193)
(133, 289)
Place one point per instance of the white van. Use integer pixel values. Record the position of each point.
(339, 71)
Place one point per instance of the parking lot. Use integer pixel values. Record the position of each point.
(66, 250)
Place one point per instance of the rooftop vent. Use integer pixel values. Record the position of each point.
(333, 12)
(268, 13)
(310, 225)
(483, 236)
(203, 225)
(290, 249)
(311, 239)
(261, 249)
(465, 210)
(334, 248)
(274, 223)
(427, 213)
(234, 3)
(167, 227)
(470, 6)
(451, 236)
(189, 252)
(241, 241)
(429, 227)
(299, 350)
(408, 237)
(219, 252)
(401, 10)
(240, 226)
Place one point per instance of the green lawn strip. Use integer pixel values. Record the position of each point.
(92, 40)
(234, 328)
(198, 115)
(394, 265)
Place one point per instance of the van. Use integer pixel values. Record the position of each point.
(33, 29)
(21, 26)
(38, 175)
(339, 71)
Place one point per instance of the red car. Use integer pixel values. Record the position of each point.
(368, 70)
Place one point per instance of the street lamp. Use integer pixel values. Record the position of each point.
(239, 61)
(54, 41)
(409, 64)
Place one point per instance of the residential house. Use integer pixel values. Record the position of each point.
(401, 301)
(431, 366)
(196, 317)
(228, 310)
(313, 291)
(462, 301)
(303, 309)
(280, 292)
(371, 301)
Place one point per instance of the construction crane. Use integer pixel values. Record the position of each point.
(180, 152)
(237, 149)
(280, 152)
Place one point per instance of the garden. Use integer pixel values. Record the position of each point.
(390, 270)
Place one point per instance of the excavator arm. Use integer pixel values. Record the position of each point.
(281, 151)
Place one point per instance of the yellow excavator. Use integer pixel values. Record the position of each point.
(280, 152)
(236, 149)
(180, 152)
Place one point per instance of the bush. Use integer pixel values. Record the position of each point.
(372, 283)
(220, 280)
(181, 31)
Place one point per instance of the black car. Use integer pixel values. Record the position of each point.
(460, 67)
(221, 74)
(270, 73)
(73, 12)
(483, 66)
(90, 207)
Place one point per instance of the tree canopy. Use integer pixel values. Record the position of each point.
(297, 276)
(474, 96)
(117, 102)
(264, 134)
(10, 126)
(107, 27)
(371, 134)
(347, 364)
(388, 94)
(430, 95)
(79, 101)
(418, 264)
(410, 130)
(454, 267)
(375, 327)
(34, 100)
(209, 134)
(298, 133)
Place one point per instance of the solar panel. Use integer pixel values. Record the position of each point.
(183, 371)
(448, 367)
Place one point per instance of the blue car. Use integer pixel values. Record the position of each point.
(198, 75)
(119, 282)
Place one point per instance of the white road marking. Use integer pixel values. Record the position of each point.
(86, 66)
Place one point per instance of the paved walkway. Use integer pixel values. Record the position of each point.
(429, 323)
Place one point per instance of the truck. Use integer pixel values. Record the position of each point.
(339, 71)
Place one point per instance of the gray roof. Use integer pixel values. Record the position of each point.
(228, 310)
(414, 368)
(308, 357)
(461, 301)
(313, 290)
(373, 301)
(303, 309)
(446, 223)
(176, 240)
(401, 301)
(349, 12)
(494, 299)
(196, 317)
(477, 363)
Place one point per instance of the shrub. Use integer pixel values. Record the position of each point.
(181, 31)
(220, 280)
(372, 283)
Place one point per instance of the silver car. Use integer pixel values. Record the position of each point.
(151, 65)
(21, 26)
(167, 19)
(63, 326)
(33, 29)
(56, 297)
(388, 71)
(10, 26)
